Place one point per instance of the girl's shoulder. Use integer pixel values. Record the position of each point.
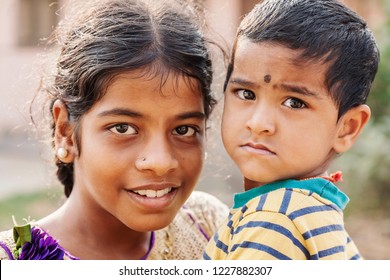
(186, 237)
(206, 208)
(7, 245)
(30, 242)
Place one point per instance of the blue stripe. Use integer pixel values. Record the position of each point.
(314, 257)
(262, 201)
(322, 230)
(356, 257)
(261, 247)
(335, 207)
(331, 251)
(275, 227)
(206, 257)
(308, 210)
(230, 226)
(243, 210)
(220, 245)
(286, 201)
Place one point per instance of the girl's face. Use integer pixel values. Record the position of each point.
(142, 148)
(279, 121)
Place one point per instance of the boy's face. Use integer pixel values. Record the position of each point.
(279, 121)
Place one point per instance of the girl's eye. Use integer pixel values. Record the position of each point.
(123, 129)
(294, 103)
(246, 94)
(185, 130)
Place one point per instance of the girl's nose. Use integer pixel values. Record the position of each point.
(157, 157)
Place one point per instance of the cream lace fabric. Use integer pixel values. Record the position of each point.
(184, 239)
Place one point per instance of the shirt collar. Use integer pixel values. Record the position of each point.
(322, 187)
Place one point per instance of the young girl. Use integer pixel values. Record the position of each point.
(129, 103)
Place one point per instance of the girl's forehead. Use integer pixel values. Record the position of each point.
(132, 89)
(159, 76)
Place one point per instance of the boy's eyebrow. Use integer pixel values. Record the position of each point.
(300, 89)
(134, 114)
(242, 82)
(287, 87)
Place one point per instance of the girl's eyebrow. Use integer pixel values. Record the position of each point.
(120, 112)
(192, 115)
(130, 113)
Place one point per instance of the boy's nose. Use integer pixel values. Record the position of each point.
(262, 120)
(157, 157)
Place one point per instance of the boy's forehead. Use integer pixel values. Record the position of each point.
(259, 54)
(249, 47)
(261, 63)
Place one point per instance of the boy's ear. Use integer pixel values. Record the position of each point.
(350, 126)
(64, 136)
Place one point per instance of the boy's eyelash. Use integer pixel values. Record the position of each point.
(236, 92)
(304, 104)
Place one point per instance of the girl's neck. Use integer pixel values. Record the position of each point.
(88, 235)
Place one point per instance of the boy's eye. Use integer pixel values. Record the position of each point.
(246, 94)
(294, 103)
(123, 128)
(185, 130)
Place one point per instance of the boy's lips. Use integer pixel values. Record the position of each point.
(257, 148)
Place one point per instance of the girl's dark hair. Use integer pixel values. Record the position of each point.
(110, 37)
(325, 31)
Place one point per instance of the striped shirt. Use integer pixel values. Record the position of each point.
(285, 220)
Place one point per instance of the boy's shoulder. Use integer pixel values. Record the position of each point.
(288, 201)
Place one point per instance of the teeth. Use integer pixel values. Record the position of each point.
(153, 193)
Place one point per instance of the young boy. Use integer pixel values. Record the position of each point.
(295, 97)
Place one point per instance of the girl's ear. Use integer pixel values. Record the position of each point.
(64, 134)
(350, 126)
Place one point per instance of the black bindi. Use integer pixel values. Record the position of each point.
(267, 78)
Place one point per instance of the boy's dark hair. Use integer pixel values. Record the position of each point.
(111, 37)
(326, 31)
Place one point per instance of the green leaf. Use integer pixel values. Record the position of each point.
(22, 235)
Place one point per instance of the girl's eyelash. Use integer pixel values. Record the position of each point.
(195, 128)
(117, 125)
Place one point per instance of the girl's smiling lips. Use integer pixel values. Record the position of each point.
(154, 190)
(257, 148)
(155, 196)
